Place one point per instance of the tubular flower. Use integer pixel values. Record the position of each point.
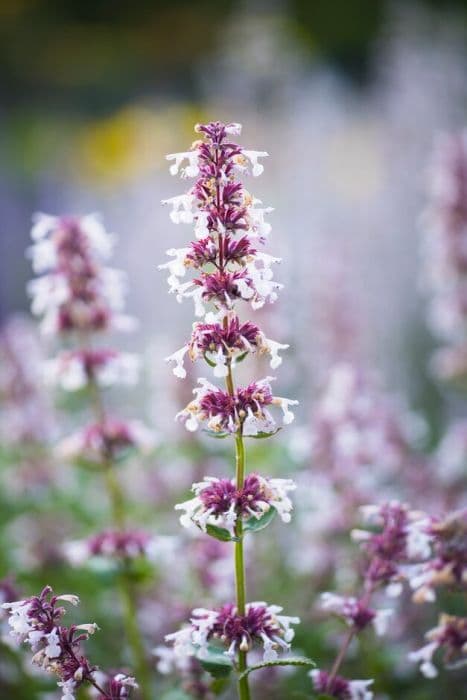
(108, 439)
(116, 544)
(36, 621)
(246, 408)
(261, 625)
(218, 501)
(356, 613)
(218, 343)
(229, 227)
(339, 687)
(74, 292)
(450, 636)
(76, 369)
(401, 541)
(447, 565)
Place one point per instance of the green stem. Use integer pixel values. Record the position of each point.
(125, 587)
(240, 586)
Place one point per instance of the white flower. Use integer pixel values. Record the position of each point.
(178, 357)
(273, 348)
(381, 620)
(288, 416)
(191, 170)
(19, 619)
(53, 648)
(182, 206)
(359, 690)
(68, 689)
(252, 156)
(424, 657)
(101, 241)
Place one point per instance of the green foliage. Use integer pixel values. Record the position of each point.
(278, 662)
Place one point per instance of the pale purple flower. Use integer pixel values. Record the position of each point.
(356, 612)
(261, 625)
(73, 370)
(110, 439)
(74, 292)
(450, 636)
(246, 409)
(339, 687)
(219, 502)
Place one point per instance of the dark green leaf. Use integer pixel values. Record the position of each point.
(210, 362)
(216, 663)
(218, 436)
(219, 533)
(241, 357)
(255, 524)
(278, 662)
(263, 436)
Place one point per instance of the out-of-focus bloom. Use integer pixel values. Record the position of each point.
(36, 621)
(75, 369)
(217, 343)
(451, 455)
(447, 564)
(104, 441)
(445, 253)
(339, 687)
(245, 409)
(261, 625)
(115, 687)
(402, 539)
(449, 636)
(189, 668)
(114, 544)
(356, 427)
(25, 410)
(74, 293)
(356, 613)
(219, 502)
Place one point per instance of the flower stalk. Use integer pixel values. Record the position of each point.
(229, 227)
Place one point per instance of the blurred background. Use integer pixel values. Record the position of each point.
(348, 97)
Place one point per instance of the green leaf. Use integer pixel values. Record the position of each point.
(218, 436)
(210, 362)
(263, 436)
(255, 524)
(219, 533)
(216, 663)
(241, 357)
(278, 662)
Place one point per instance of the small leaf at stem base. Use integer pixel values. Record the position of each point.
(255, 524)
(215, 662)
(220, 533)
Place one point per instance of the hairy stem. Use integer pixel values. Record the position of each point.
(240, 585)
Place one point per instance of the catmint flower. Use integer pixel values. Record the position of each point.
(402, 539)
(36, 621)
(447, 564)
(219, 343)
(116, 687)
(110, 439)
(219, 502)
(449, 636)
(246, 409)
(74, 292)
(261, 625)
(340, 688)
(26, 413)
(356, 613)
(73, 370)
(113, 544)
